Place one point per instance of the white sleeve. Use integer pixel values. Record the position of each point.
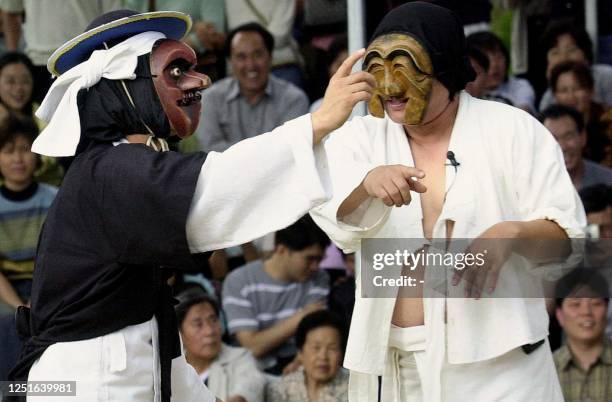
(545, 190)
(259, 185)
(349, 150)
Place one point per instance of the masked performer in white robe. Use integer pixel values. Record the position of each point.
(130, 212)
(454, 167)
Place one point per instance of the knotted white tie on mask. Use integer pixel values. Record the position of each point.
(59, 108)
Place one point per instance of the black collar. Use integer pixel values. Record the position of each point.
(22, 195)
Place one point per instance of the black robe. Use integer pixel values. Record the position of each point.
(115, 230)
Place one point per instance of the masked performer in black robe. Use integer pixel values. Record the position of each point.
(130, 212)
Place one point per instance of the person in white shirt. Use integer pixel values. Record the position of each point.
(504, 177)
(229, 372)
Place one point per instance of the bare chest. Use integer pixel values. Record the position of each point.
(432, 201)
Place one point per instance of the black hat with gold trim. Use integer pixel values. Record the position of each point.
(114, 27)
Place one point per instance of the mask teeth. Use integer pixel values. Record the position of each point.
(189, 98)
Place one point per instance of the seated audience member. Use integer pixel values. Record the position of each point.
(230, 373)
(265, 300)
(16, 98)
(563, 41)
(584, 363)
(252, 100)
(16, 84)
(480, 64)
(23, 208)
(498, 84)
(320, 339)
(278, 18)
(567, 126)
(572, 85)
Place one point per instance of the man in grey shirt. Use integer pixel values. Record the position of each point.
(567, 126)
(252, 101)
(265, 300)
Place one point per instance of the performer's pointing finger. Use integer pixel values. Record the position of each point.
(347, 65)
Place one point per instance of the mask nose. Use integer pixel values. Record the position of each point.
(390, 87)
(192, 80)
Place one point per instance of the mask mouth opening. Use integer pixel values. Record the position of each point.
(190, 97)
(394, 99)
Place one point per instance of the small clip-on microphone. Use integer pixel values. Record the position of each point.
(450, 155)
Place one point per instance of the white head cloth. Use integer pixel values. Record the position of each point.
(60, 109)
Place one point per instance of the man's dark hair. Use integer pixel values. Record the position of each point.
(488, 42)
(318, 319)
(596, 198)
(561, 27)
(581, 278)
(581, 72)
(266, 36)
(189, 298)
(556, 111)
(18, 127)
(479, 57)
(302, 234)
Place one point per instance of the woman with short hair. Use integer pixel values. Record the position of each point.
(230, 373)
(572, 84)
(320, 339)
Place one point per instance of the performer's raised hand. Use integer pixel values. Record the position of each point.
(345, 89)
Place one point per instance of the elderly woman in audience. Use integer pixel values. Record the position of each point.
(320, 339)
(16, 94)
(230, 373)
(572, 85)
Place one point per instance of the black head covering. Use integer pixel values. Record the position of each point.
(440, 32)
(107, 114)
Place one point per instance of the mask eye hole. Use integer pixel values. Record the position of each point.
(176, 72)
(374, 66)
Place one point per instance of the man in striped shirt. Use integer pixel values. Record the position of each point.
(266, 299)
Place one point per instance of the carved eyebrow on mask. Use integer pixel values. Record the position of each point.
(393, 54)
(371, 54)
(404, 53)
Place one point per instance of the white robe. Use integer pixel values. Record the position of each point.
(511, 168)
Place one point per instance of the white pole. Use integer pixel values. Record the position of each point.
(590, 22)
(356, 39)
